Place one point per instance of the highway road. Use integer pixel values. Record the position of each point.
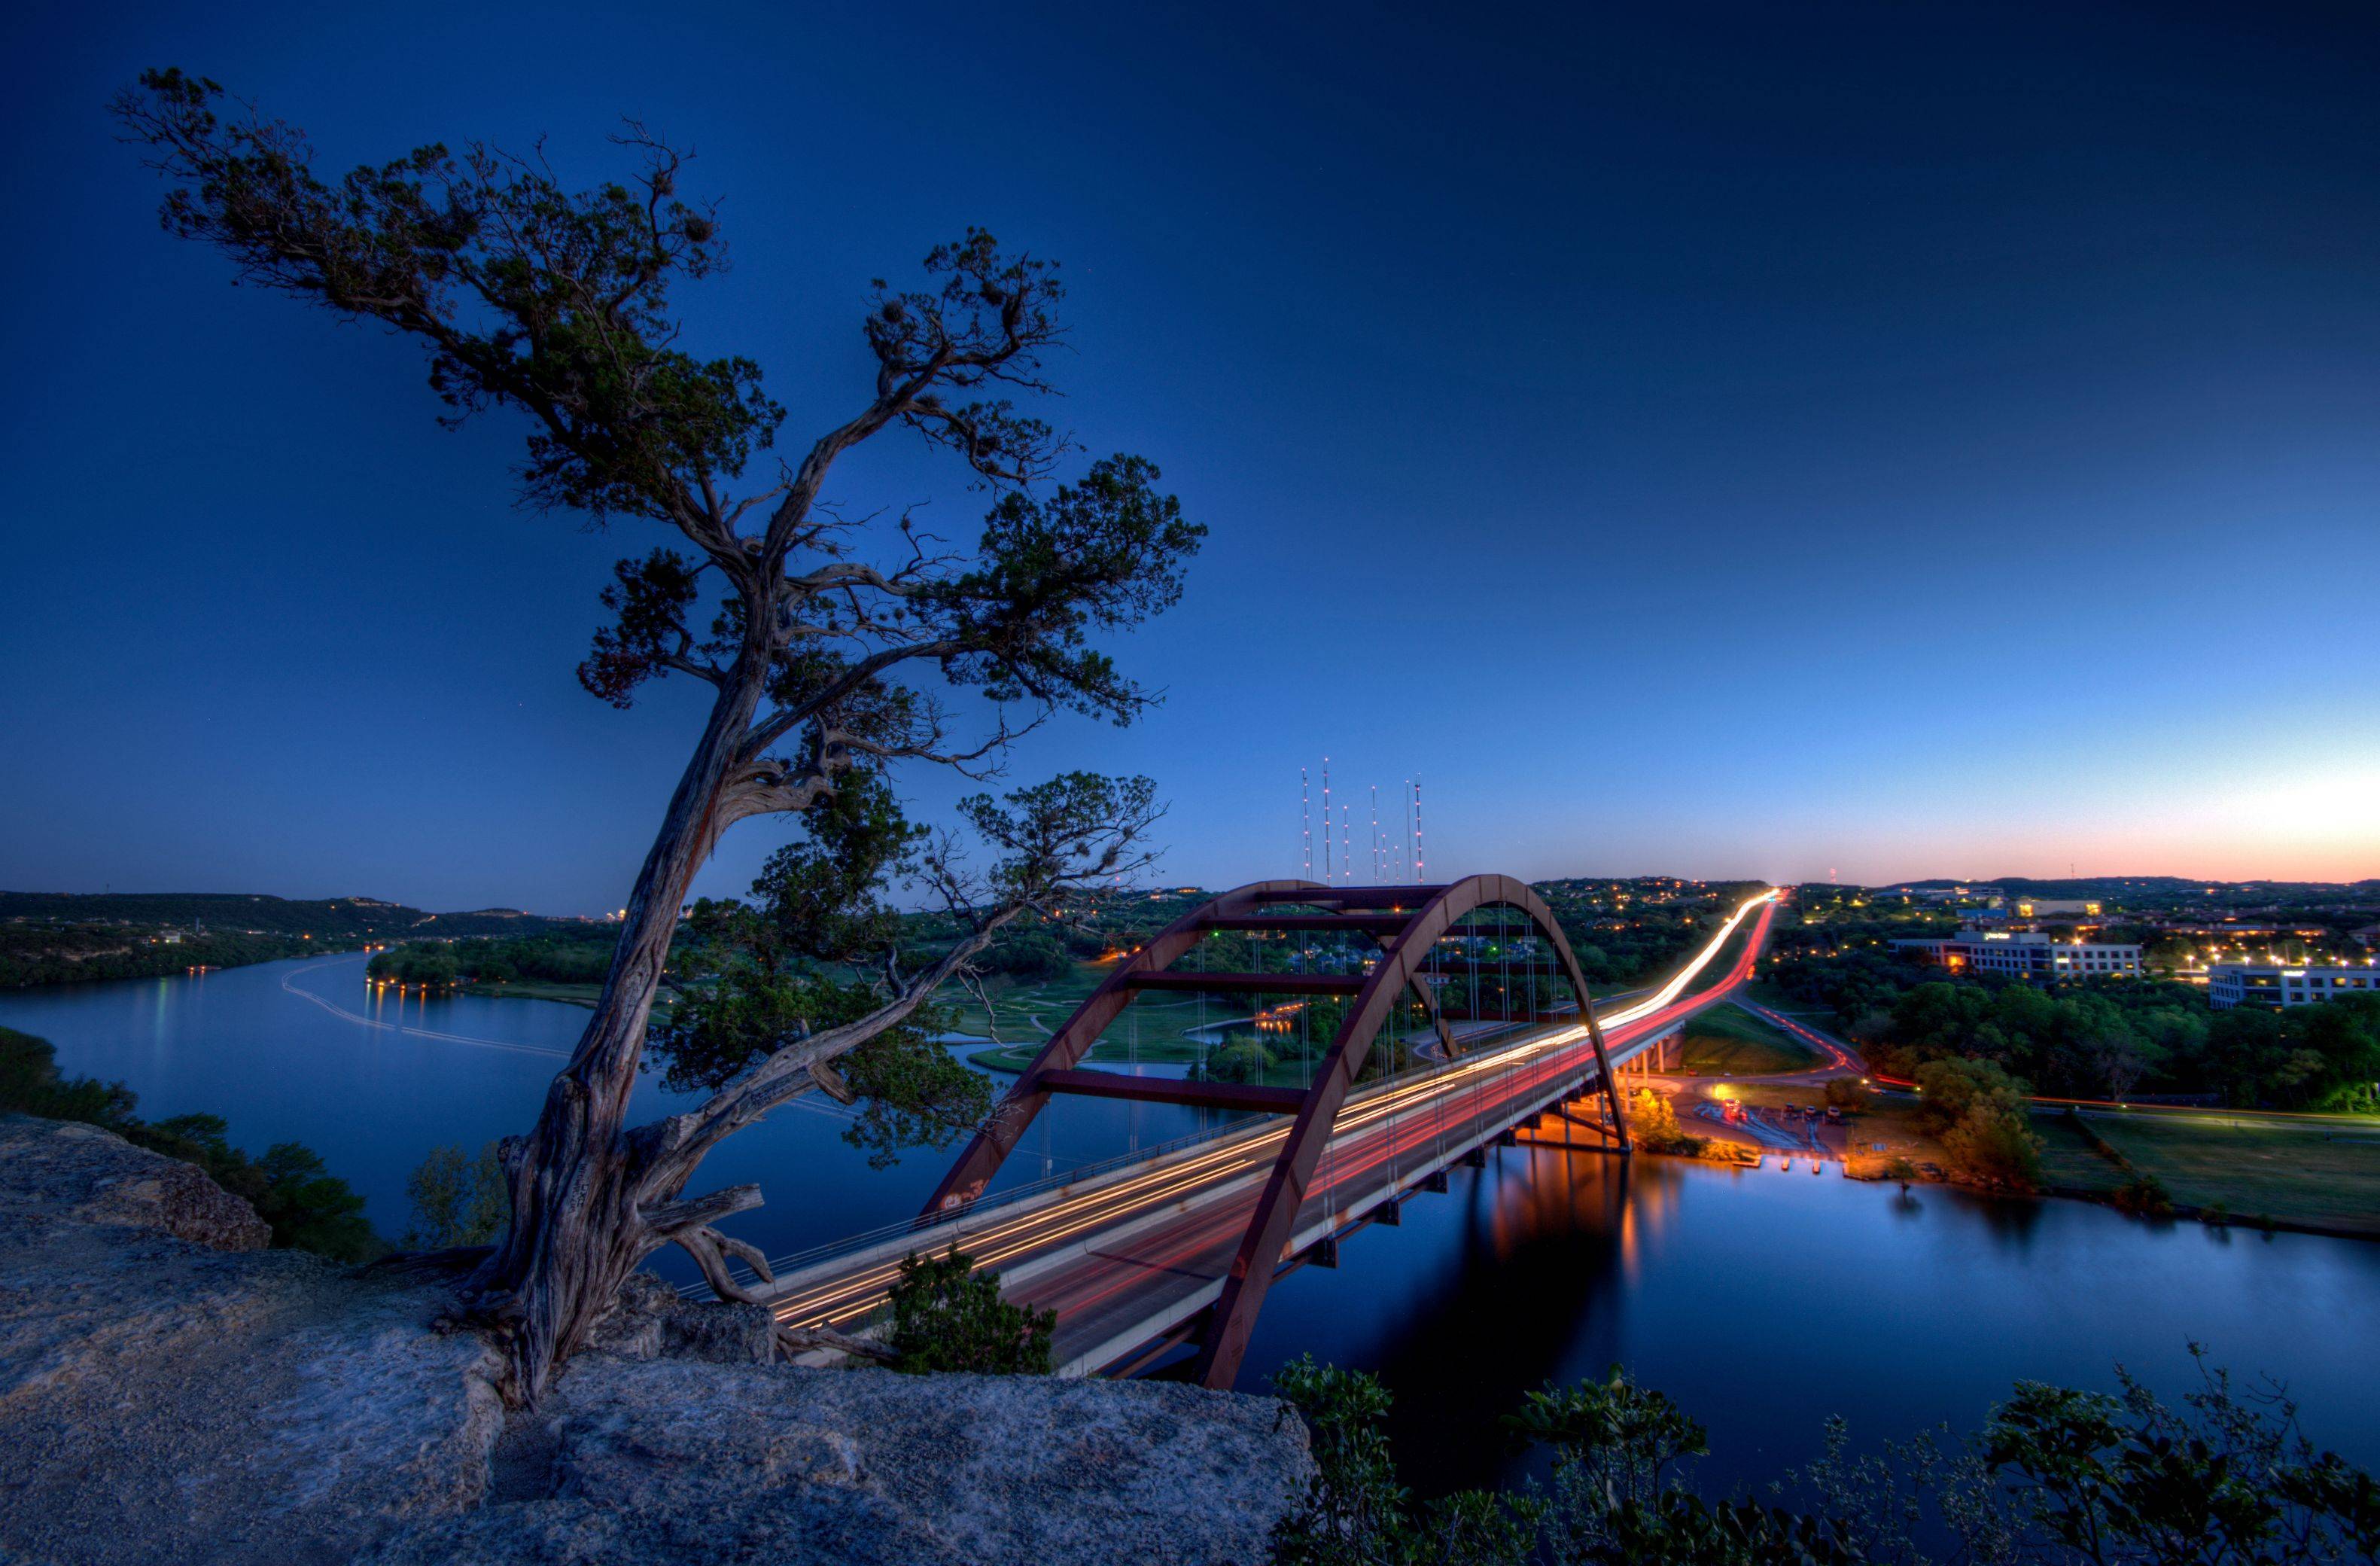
(1129, 1253)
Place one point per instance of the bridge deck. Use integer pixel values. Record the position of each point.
(1126, 1255)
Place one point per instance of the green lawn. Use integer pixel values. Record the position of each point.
(2069, 1160)
(1026, 1012)
(1729, 1041)
(2327, 1175)
(539, 990)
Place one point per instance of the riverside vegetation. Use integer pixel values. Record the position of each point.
(2108, 1038)
(307, 1206)
(2056, 1478)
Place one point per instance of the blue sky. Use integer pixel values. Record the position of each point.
(1741, 440)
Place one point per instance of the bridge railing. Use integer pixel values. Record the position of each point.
(999, 1206)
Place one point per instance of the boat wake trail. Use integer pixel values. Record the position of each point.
(831, 1111)
(360, 1021)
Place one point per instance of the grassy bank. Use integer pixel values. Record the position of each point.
(539, 990)
(2316, 1175)
(1729, 1041)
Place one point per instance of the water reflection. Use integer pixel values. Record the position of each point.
(1762, 1301)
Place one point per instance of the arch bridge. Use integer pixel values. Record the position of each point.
(1433, 1057)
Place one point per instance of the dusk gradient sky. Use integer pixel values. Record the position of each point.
(1739, 441)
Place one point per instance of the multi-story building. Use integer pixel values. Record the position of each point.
(2053, 907)
(2275, 984)
(2027, 954)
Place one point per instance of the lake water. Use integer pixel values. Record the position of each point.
(1761, 1300)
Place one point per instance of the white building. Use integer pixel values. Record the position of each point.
(2054, 908)
(2027, 954)
(2271, 984)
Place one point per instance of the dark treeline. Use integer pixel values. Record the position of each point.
(2056, 1477)
(1627, 944)
(2096, 1039)
(567, 958)
(308, 1207)
(33, 954)
(60, 938)
(324, 919)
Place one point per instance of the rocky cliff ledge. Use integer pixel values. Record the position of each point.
(170, 1393)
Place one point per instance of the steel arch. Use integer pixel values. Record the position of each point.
(1406, 920)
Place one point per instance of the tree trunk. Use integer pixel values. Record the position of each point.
(578, 1186)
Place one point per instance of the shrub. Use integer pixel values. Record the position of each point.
(1652, 1122)
(2143, 1197)
(1847, 1093)
(1240, 1061)
(1994, 1144)
(457, 1200)
(2056, 1477)
(308, 1208)
(946, 1316)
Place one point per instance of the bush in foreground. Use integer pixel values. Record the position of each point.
(2056, 1478)
(1653, 1125)
(947, 1317)
(457, 1200)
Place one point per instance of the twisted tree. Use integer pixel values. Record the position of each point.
(805, 621)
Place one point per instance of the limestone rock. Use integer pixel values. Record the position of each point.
(58, 1170)
(662, 1461)
(652, 1321)
(165, 1401)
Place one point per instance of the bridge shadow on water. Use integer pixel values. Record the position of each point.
(1479, 1294)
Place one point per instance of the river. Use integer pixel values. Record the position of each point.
(1762, 1300)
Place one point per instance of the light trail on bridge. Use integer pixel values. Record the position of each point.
(1143, 1244)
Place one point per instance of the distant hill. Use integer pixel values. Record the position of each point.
(337, 918)
(2160, 889)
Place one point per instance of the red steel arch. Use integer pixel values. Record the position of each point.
(1406, 920)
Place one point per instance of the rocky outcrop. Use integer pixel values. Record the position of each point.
(165, 1399)
(667, 1460)
(62, 1173)
(651, 1321)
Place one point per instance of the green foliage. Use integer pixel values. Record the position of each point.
(431, 963)
(947, 1317)
(1625, 1441)
(457, 1200)
(741, 1011)
(1243, 1060)
(2057, 1478)
(308, 1208)
(2127, 1478)
(445, 240)
(1027, 955)
(913, 1092)
(2143, 1195)
(1983, 1120)
(1354, 1504)
(550, 959)
(59, 937)
(1847, 1093)
(1653, 1124)
(2109, 1039)
(1101, 553)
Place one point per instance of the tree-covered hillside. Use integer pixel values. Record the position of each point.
(58, 938)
